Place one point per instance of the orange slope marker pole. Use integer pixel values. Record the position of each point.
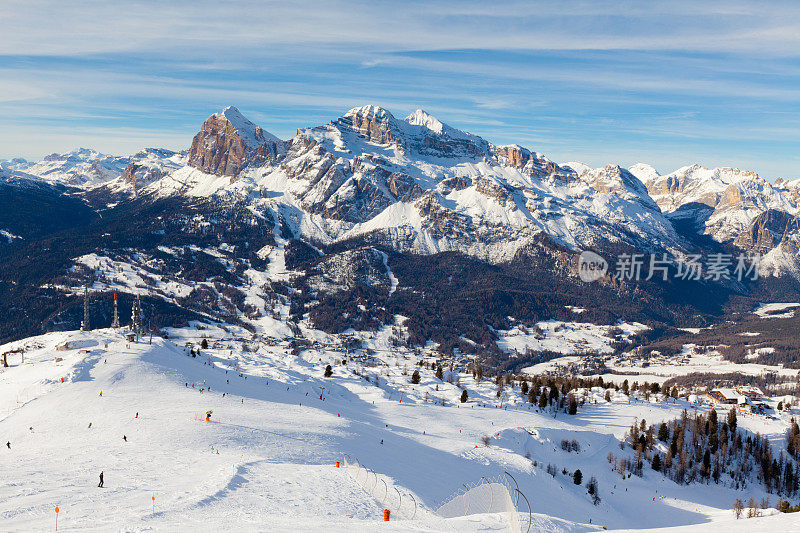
(57, 511)
(154, 503)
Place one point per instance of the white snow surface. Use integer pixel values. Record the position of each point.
(252, 135)
(267, 459)
(776, 310)
(564, 337)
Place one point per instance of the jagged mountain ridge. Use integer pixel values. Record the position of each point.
(736, 196)
(353, 222)
(420, 185)
(85, 168)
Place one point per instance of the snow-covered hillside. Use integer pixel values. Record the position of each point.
(86, 402)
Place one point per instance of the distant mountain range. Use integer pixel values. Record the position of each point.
(333, 210)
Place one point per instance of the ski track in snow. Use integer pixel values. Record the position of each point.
(389, 272)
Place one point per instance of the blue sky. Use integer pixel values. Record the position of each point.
(599, 82)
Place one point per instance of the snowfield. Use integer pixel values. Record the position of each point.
(565, 337)
(266, 462)
(776, 310)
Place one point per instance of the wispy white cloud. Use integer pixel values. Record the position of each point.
(75, 28)
(678, 80)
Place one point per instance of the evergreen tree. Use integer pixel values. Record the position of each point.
(572, 409)
(439, 373)
(793, 439)
(464, 396)
(524, 388)
(543, 400)
(712, 421)
(593, 490)
(415, 377)
(656, 462)
(663, 432)
(553, 396)
(328, 371)
(204, 344)
(732, 419)
(577, 477)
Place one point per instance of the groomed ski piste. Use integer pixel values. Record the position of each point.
(268, 461)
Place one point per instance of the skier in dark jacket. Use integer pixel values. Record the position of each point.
(101, 479)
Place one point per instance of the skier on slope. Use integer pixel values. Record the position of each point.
(101, 479)
(208, 415)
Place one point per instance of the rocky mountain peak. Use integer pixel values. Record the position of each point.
(422, 118)
(370, 111)
(227, 142)
(81, 167)
(151, 164)
(530, 163)
(644, 172)
(578, 167)
(374, 123)
(250, 133)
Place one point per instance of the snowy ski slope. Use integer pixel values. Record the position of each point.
(267, 461)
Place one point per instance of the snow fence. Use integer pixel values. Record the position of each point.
(487, 496)
(401, 503)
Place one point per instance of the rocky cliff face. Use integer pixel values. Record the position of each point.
(228, 142)
(767, 231)
(373, 123)
(529, 163)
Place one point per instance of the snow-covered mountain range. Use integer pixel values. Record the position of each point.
(341, 196)
(424, 186)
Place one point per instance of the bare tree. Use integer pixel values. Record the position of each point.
(764, 504)
(738, 507)
(752, 508)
